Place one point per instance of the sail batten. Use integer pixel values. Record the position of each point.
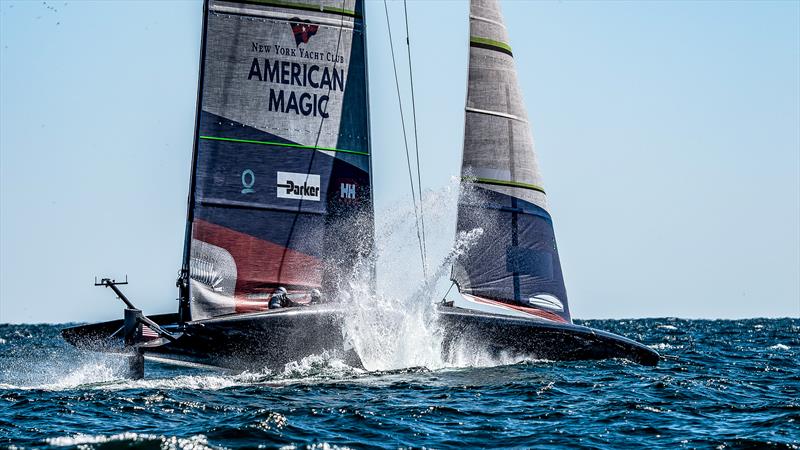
(508, 183)
(516, 261)
(496, 113)
(281, 192)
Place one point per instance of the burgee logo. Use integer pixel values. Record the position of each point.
(303, 30)
(299, 186)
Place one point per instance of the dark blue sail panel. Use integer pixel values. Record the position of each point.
(516, 259)
(281, 190)
(237, 165)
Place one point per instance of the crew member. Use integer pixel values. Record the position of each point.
(279, 299)
(316, 297)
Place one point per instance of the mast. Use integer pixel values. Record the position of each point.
(182, 283)
(516, 261)
(280, 191)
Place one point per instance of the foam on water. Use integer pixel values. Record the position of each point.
(197, 442)
(165, 443)
(661, 346)
(317, 366)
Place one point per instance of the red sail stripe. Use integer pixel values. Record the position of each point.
(258, 264)
(533, 311)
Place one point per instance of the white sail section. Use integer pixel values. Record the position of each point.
(498, 146)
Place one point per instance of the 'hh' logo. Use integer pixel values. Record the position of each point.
(347, 190)
(302, 30)
(300, 186)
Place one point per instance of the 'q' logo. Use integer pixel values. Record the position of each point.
(248, 180)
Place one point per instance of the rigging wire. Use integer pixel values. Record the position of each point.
(444, 297)
(405, 140)
(416, 139)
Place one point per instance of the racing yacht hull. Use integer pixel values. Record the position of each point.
(271, 339)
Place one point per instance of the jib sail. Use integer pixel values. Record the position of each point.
(280, 191)
(516, 260)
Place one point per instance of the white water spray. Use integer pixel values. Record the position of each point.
(396, 327)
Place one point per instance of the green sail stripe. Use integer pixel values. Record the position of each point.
(283, 144)
(502, 46)
(302, 6)
(517, 184)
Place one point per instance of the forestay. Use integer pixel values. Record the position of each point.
(516, 261)
(280, 191)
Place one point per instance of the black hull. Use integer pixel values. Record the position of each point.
(274, 338)
(253, 341)
(268, 339)
(512, 336)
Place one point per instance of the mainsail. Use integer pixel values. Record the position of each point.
(280, 192)
(516, 262)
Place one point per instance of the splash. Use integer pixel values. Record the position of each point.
(395, 326)
(391, 323)
(86, 374)
(58, 373)
(323, 366)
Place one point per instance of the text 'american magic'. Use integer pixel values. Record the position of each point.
(296, 74)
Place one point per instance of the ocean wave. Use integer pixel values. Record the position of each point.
(722, 382)
(197, 442)
(779, 347)
(316, 446)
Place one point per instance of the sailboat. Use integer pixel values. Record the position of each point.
(281, 199)
(511, 292)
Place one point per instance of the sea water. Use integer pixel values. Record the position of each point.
(720, 384)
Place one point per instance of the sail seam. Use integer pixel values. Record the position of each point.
(283, 144)
(493, 181)
(300, 6)
(489, 44)
(496, 113)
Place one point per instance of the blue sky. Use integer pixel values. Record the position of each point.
(668, 134)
